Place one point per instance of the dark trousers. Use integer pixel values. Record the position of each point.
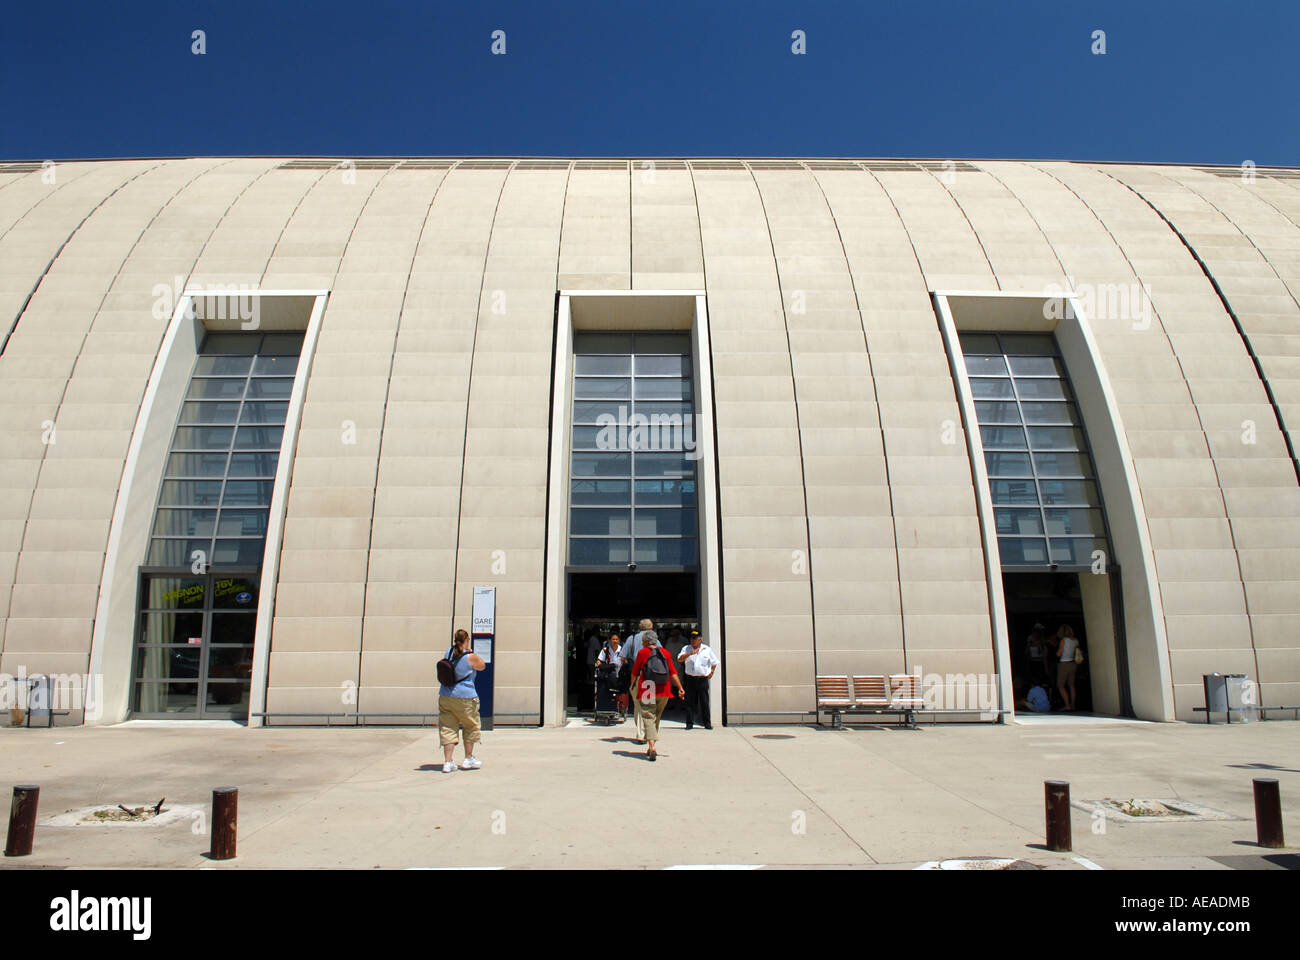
(697, 700)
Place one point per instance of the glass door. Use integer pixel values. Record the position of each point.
(194, 645)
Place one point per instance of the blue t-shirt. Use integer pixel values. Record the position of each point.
(1038, 701)
(464, 688)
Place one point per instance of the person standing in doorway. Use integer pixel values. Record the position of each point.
(608, 663)
(458, 705)
(701, 663)
(653, 677)
(1036, 654)
(1066, 668)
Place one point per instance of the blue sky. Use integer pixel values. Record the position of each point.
(1194, 82)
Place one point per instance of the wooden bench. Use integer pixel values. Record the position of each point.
(899, 694)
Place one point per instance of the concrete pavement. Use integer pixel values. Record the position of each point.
(585, 797)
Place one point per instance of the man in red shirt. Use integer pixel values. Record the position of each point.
(652, 686)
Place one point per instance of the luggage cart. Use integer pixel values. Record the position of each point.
(606, 713)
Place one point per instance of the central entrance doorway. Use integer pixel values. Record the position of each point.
(601, 604)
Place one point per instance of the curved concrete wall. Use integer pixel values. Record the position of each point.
(850, 535)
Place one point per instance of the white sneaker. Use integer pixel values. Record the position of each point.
(471, 763)
(448, 767)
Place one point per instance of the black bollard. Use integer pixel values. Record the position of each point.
(1056, 796)
(22, 820)
(225, 810)
(1268, 813)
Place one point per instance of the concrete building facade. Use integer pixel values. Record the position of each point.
(827, 328)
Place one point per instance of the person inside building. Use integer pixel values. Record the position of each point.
(701, 662)
(608, 663)
(458, 705)
(1036, 654)
(653, 677)
(1066, 668)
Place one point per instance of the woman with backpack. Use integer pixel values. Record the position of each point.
(653, 676)
(458, 703)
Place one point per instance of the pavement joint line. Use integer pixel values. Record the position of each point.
(852, 839)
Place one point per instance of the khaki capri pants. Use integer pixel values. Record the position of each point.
(456, 714)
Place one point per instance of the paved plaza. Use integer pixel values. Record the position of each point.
(584, 796)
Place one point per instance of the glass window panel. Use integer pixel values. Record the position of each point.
(662, 433)
(1021, 523)
(166, 697)
(176, 553)
(610, 437)
(196, 465)
(1004, 438)
(664, 523)
(190, 493)
(587, 343)
(248, 493)
(1028, 344)
(663, 465)
(589, 553)
(602, 464)
(184, 523)
(1045, 412)
(1007, 464)
(1019, 551)
(238, 552)
(242, 523)
(1077, 552)
(205, 366)
(258, 438)
(997, 411)
(662, 343)
(170, 627)
(669, 366)
(979, 343)
(1042, 390)
(672, 552)
(164, 663)
(1081, 522)
(599, 522)
(228, 698)
(590, 411)
(1013, 491)
(665, 408)
(986, 366)
(991, 388)
(235, 663)
(245, 344)
(202, 438)
(234, 593)
(270, 388)
(600, 492)
(253, 464)
(195, 412)
(1062, 465)
(1069, 491)
(602, 366)
(1056, 438)
(166, 593)
(215, 389)
(280, 344)
(233, 628)
(602, 388)
(275, 366)
(1036, 367)
(665, 492)
(273, 411)
(665, 389)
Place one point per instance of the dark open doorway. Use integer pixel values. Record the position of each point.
(1052, 600)
(605, 603)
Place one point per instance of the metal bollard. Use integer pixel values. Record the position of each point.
(225, 809)
(1056, 797)
(1268, 813)
(22, 820)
